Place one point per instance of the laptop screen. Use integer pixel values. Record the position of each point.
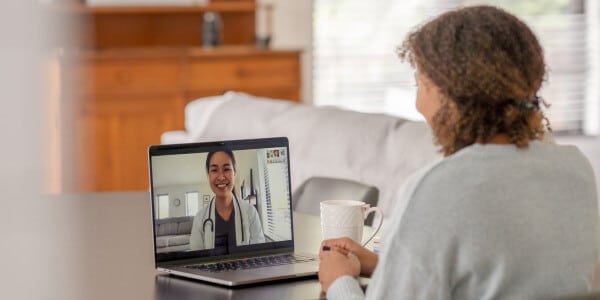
(220, 198)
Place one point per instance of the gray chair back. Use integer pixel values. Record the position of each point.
(307, 197)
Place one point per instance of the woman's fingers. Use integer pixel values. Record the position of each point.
(335, 248)
(344, 242)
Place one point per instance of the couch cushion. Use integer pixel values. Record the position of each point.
(162, 241)
(197, 114)
(185, 227)
(172, 240)
(167, 228)
(174, 226)
(179, 240)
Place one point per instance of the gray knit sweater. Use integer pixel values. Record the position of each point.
(489, 222)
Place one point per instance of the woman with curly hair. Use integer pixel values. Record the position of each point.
(503, 215)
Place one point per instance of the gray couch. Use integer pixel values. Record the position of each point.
(173, 234)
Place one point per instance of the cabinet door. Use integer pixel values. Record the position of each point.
(128, 76)
(113, 137)
(275, 76)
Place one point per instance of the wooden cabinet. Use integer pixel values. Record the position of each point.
(115, 132)
(131, 84)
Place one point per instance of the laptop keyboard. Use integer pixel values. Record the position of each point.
(251, 263)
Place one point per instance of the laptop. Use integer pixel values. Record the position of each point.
(222, 212)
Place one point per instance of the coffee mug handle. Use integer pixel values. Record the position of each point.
(366, 214)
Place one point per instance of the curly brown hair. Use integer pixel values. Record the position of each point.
(489, 66)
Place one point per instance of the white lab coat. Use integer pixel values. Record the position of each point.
(202, 237)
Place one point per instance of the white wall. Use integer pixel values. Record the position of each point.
(22, 50)
(592, 112)
(292, 28)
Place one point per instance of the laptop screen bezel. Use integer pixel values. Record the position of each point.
(204, 147)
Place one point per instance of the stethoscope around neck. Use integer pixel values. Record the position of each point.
(212, 223)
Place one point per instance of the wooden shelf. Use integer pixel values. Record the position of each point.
(155, 26)
(232, 6)
(190, 52)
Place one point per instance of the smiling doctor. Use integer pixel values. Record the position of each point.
(226, 222)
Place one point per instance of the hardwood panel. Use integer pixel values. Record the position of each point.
(118, 133)
(165, 29)
(243, 73)
(222, 6)
(129, 77)
(133, 30)
(148, 26)
(239, 28)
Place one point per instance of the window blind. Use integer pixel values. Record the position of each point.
(355, 64)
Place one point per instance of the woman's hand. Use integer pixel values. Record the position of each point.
(368, 260)
(335, 264)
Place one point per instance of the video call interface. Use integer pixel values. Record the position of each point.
(188, 201)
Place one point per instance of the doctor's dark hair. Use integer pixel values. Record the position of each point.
(226, 151)
(489, 66)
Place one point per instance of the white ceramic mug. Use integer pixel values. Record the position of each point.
(341, 218)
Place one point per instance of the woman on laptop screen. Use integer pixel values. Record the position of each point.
(226, 222)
